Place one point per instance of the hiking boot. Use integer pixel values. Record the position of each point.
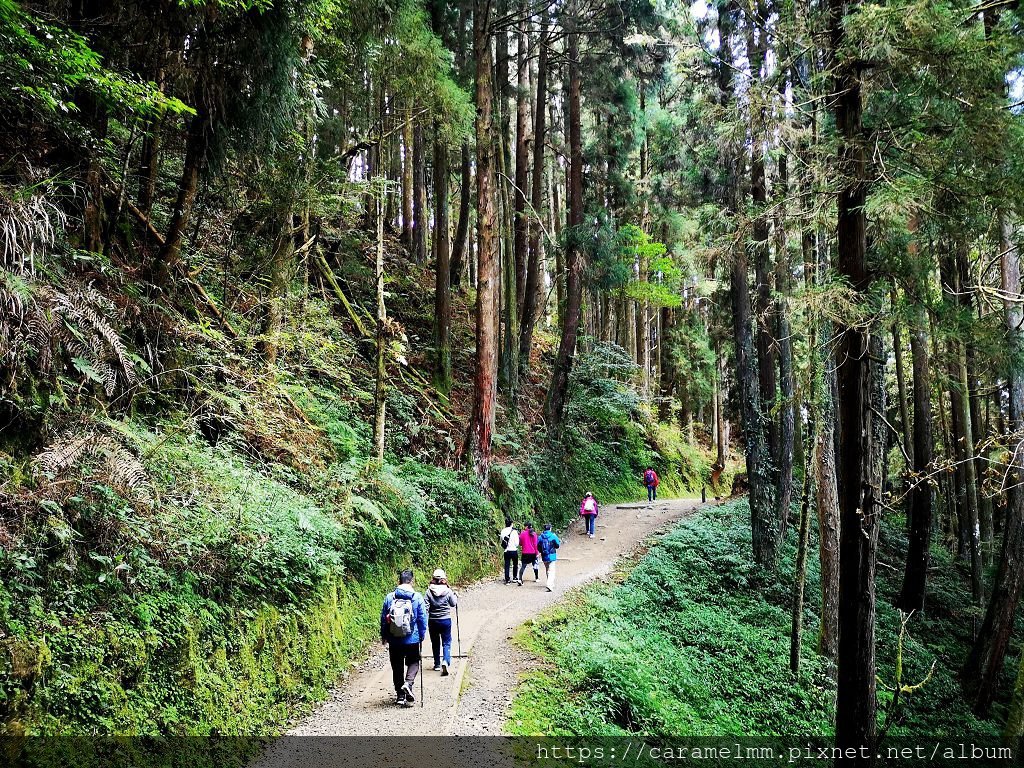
(407, 689)
(444, 670)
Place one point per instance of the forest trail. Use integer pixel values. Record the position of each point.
(473, 700)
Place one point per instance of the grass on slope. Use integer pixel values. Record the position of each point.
(694, 641)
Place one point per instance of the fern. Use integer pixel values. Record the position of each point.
(39, 323)
(117, 466)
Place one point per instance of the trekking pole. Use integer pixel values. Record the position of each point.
(421, 674)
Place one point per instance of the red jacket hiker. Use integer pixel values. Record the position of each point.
(651, 481)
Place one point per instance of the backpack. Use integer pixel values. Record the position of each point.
(590, 506)
(649, 477)
(546, 545)
(401, 617)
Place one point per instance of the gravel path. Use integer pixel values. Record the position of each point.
(474, 699)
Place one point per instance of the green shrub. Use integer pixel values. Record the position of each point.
(695, 641)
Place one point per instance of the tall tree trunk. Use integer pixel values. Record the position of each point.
(442, 367)
(858, 379)
(508, 361)
(783, 332)
(149, 162)
(555, 404)
(531, 295)
(920, 504)
(521, 224)
(485, 375)
(462, 228)
(465, 179)
(197, 143)
(408, 184)
(797, 612)
(721, 449)
(985, 662)
(380, 390)
(962, 447)
(759, 471)
(419, 197)
(978, 428)
(827, 503)
(901, 385)
(765, 315)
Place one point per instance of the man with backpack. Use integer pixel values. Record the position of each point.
(403, 625)
(589, 512)
(651, 481)
(510, 544)
(548, 544)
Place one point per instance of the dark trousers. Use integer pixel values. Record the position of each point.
(589, 522)
(527, 560)
(441, 639)
(652, 493)
(405, 663)
(511, 558)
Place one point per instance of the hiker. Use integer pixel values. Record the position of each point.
(651, 481)
(589, 512)
(548, 544)
(440, 601)
(510, 544)
(528, 542)
(403, 625)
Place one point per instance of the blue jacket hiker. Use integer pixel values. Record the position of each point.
(403, 626)
(548, 544)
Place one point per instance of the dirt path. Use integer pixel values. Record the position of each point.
(474, 698)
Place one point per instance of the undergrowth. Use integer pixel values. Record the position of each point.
(211, 561)
(693, 640)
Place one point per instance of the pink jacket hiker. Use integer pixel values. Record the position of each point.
(593, 509)
(528, 541)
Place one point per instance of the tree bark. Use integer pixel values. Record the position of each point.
(901, 384)
(419, 197)
(555, 404)
(783, 332)
(485, 374)
(465, 179)
(759, 471)
(920, 504)
(380, 390)
(521, 224)
(827, 503)
(531, 295)
(408, 185)
(442, 249)
(858, 379)
(197, 143)
(984, 664)
(765, 315)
